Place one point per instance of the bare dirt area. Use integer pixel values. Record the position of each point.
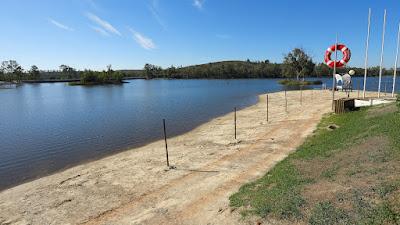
(351, 184)
(357, 168)
(379, 111)
(134, 187)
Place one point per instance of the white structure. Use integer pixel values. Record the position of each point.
(339, 81)
(382, 50)
(343, 82)
(395, 63)
(366, 52)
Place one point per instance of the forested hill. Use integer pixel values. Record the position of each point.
(228, 69)
(248, 69)
(295, 64)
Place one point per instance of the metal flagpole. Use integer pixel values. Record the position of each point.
(395, 63)
(366, 52)
(334, 73)
(382, 49)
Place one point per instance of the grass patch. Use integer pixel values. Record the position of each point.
(358, 161)
(275, 193)
(386, 188)
(330, 173)
(325, 213)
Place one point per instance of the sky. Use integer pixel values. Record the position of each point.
(91, 34)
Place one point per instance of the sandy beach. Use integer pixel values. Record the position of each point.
(135, 186)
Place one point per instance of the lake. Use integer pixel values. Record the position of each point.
(45, 128)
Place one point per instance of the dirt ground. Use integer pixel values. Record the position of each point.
(135, 187)
(358, 168)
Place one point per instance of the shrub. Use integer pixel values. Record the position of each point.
(104, 77)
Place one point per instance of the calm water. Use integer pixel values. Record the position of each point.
(48, 127)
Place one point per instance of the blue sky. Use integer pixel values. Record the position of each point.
(89, 34)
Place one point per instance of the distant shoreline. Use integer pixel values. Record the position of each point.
(69, 80)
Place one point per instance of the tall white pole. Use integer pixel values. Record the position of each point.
(334, 73)
(366, 52)
(395, 63)
(382, 49)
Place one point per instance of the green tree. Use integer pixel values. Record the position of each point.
(117, 76)
(297, 63)
(18, 72)
(12, 70)
(148, 73)
(103, 77)
(88, 76)
(171, 71)
(322, 70)
(34, 73)
(152, 71)
(68, 71)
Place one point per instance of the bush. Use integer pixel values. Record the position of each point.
(89, 77)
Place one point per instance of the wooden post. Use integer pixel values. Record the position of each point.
(312, 94)
(286, 102)
(235, 123)
(385, 86)
(301, 94)
(267, 107)
(166, 145)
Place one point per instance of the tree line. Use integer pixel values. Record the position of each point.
(11, 71)
(296, 64)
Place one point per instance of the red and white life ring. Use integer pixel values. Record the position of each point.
(346, 56)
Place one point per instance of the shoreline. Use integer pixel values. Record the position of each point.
(133, 185)
(144, 78)
(123, 149)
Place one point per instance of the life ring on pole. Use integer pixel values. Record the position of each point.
(346, 56)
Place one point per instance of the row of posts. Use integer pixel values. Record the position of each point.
(234, 119)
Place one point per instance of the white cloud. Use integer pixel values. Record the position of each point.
(198, 3)
(153, 7)
(142, 40)
(103, 24)
(100, 30)
(60, 25)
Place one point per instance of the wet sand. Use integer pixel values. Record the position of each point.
(135, 186)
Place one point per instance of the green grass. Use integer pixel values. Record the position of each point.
(386, 188)
(281, 198)
(278, 194)
(330, 173)
(325, 213)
